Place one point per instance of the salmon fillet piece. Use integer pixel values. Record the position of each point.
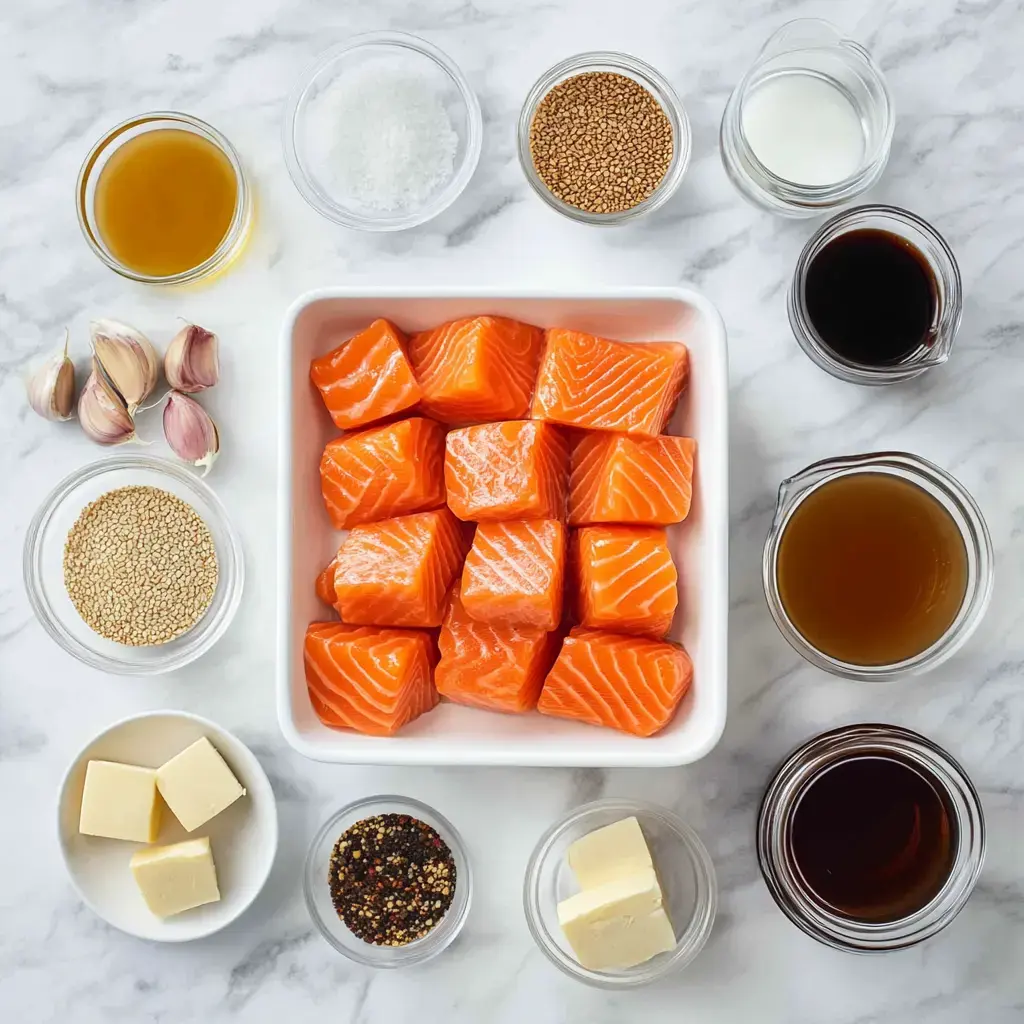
(477, 370)
(398, 572)
(383, 472)
(514, 574)
(324, 585)
(586, 381)
(636, 480)
(628, 683)
(367, 378)
(624, 579)
(498, 668)
(516, 469)
(371, 680)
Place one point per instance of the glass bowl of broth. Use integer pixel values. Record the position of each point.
(877, 566)
(162, 199)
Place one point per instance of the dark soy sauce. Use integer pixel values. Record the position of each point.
(873, 838)
(871, 297)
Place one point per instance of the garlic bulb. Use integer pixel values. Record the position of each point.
(191, 363)
(126, 359)
(190, 431)
(51, 389)
(102, 412)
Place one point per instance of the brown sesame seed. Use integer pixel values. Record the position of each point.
(601, 142)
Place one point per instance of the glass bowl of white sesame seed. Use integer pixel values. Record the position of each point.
(132, 565)
(603, 138)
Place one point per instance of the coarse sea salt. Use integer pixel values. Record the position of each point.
(391, 142)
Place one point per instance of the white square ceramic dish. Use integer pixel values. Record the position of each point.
(453, 735)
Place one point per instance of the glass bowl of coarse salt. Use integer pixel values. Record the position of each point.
(132, 565)
(603, 138)
(382, 133)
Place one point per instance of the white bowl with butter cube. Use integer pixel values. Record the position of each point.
(620, 893)
(168, 826)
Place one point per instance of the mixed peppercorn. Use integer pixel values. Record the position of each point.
(392, 879)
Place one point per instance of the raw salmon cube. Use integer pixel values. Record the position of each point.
(624, 578)
(518, 469)
(371, 680)
(477, 370)
(591, 382)
(514, 574)
(498, 668)
(324, 585)
(383, 472)
(397, 572)
(367, 378)
(637, 480)
(629, 683)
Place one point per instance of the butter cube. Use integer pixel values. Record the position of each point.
(177, 877)
(119, 801)
(197, 784)
(608, 853)
(619, 924)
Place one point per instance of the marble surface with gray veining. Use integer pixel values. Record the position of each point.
(71, 68)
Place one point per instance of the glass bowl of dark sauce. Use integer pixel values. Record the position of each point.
(876, 296)
(871, 838)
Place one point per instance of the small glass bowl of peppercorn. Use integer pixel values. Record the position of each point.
(603, 138)
(387, 882)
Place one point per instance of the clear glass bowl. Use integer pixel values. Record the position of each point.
(85, 194)
(782, 874)
(937, 345)
(318, 896)
(43, 565)
(306, 134)
(655, 84)
(954, 499)
(684, 869)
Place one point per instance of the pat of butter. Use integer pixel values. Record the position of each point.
(619, 924)
(177, 877)
(197, 784)
(119, 801)
(608, 853)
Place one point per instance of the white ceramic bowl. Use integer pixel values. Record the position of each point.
(456, 735)
(243, 837)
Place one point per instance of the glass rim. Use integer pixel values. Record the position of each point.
(688, 945)
(957, 501)
(231, 569)
(241, 218)
(940, 259)
(305, 183)
(655, 83)
(792, 780)
(435, 941)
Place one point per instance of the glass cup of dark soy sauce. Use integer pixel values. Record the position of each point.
(870, 838)
(876, 296)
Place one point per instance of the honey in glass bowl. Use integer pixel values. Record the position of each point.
(164, 201)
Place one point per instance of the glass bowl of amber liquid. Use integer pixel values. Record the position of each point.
(877, 566)
(162, 199)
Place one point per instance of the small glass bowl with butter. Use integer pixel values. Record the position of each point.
(615, 884)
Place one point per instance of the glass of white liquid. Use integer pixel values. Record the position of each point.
(809, 126)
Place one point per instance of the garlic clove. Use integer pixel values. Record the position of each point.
(191, 363)
(190, 431)
(51, 389)
(127, 360)
(102, 412)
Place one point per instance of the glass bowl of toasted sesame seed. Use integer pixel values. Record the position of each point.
(132, 565)
(603, 138)
(387, 882)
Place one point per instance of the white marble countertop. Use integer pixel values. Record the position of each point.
(70, 69)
